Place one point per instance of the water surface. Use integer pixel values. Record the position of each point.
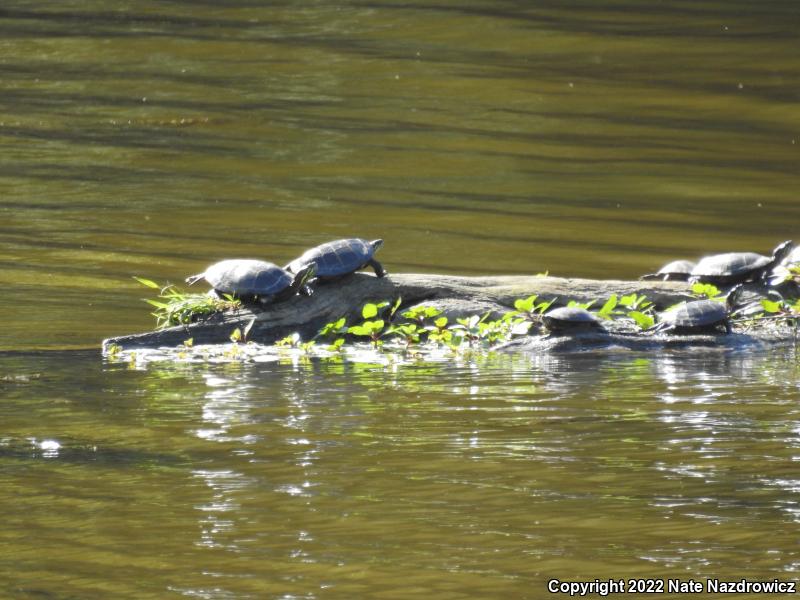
(152, 138)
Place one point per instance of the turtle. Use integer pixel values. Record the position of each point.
(570, 318)
(340, 257)
(738, 267)
(677, 270)
(700, 316)
(256, 280)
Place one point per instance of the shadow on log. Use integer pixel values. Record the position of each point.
(456, 296)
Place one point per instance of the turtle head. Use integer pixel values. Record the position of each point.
(734, 296)
(376, 244)
(304, 274)
(782, 250)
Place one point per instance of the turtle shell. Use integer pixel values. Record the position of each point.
(246, 277)
(568, 317)
(337, 258)
(677, 270)
(677, 267)
(695, 315)
(730, 267)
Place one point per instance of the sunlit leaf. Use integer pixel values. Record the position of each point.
(771, 306)
(643, 320)
(147, 282)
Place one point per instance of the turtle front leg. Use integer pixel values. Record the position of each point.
(379, 270)
(728, 328)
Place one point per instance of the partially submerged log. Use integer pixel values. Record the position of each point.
(455, 295)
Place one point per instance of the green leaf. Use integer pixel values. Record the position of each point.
(441, 322)
(333, 327)
(705, 289)
(544, 306)
(771, 306)
(525, 305)
(147, 283)
(236, 335)
(336, 345)
(375, 326)
(395, 306)
(607, 308)
(644, 321)
(369, 310)
(157, 304)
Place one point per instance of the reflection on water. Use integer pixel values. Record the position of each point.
(328, 479)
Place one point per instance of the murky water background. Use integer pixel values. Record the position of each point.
(152, 138)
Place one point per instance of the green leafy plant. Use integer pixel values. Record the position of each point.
(410, 333)
(334, 328)
(583, 305)
(372, 328)
(419, 314)
(531, 308)
(635, 302)
(608, 310)
(336, 345)
(640, 309)
(643, 320)
(175, 307)
(706, 290)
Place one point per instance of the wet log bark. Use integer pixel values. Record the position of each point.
(454, 294)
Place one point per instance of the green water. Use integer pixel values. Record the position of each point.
(584, 138)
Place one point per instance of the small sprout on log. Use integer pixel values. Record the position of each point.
(420, 313)
(642, 320)
(773, 306)
(530, 308)
(336, 346)
(371, 329)
(607, 311)
(333, 328)
(707, 290)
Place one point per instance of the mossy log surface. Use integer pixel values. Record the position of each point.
(455, 295)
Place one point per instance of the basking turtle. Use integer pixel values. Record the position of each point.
(677, 270)
(256, 280)
(340, 257)
(570, 318)
(738, 267)
(699, 316)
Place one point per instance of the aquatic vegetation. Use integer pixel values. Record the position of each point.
(175, 307)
